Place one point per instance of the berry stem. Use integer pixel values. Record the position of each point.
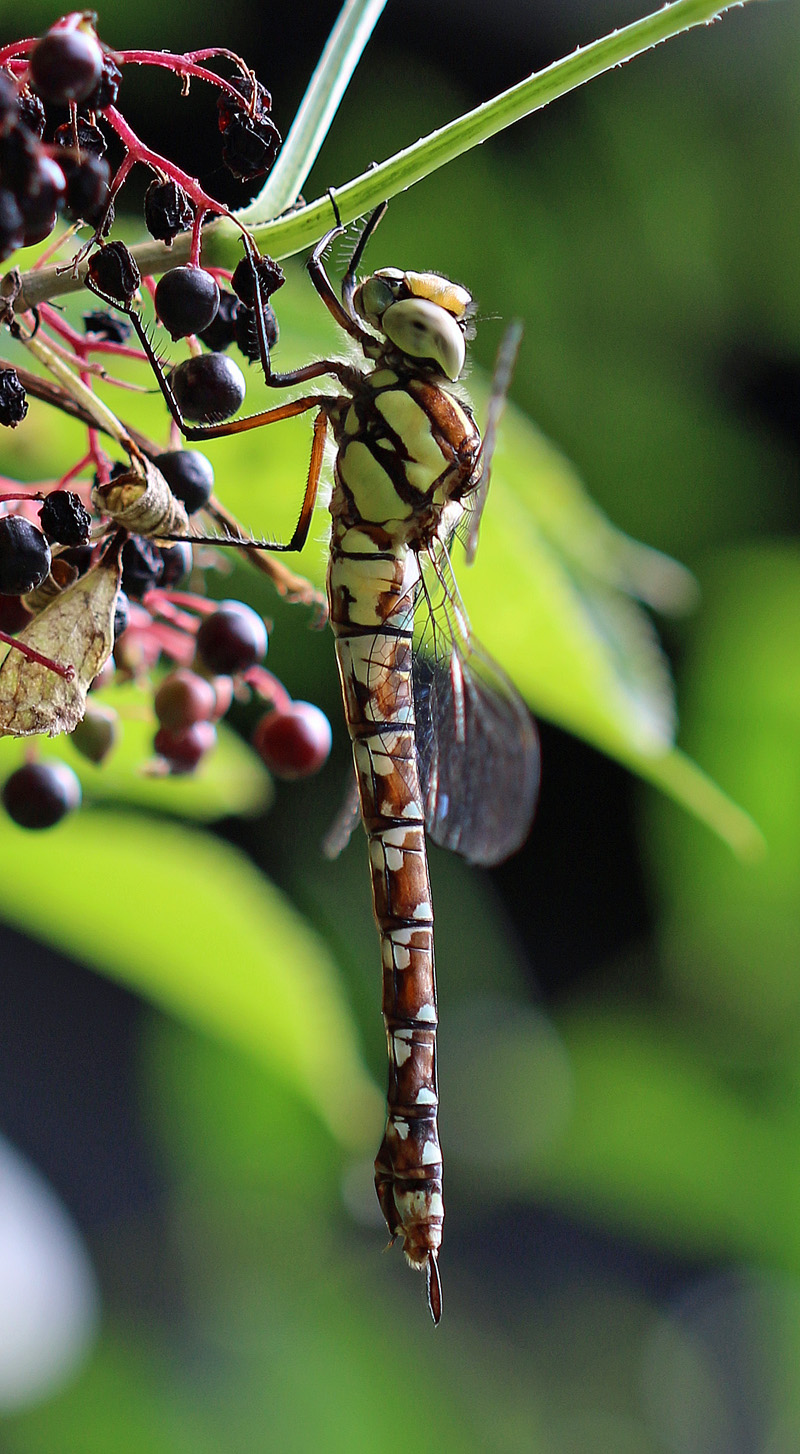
(268, 688)
(139, 152)
(185, 65)
(67, 672)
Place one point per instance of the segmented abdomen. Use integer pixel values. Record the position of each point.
(370, 593)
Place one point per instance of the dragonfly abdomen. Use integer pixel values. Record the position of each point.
(371, 605)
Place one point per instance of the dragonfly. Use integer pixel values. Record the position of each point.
(442, 742)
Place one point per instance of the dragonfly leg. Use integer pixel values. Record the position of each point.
(300, 533)
(349, 279)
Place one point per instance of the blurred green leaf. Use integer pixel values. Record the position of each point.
(731, 936)
(657, 1142)
(186, 921)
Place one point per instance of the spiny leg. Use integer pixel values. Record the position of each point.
(301, 529)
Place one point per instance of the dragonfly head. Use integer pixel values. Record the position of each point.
(424, 315)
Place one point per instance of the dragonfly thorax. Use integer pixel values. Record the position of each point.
(407, 448)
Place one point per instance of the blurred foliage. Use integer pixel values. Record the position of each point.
(647, 232)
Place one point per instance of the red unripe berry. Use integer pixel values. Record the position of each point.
(185, 749)
(40, 794)
(294, 743)
(184, 698)
(66, 65)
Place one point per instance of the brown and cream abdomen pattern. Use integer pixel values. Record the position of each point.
(371, 604)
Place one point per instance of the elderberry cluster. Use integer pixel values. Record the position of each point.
(58, 105)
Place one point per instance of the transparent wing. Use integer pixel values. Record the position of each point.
(477, 745)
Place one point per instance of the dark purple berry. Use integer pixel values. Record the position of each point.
(142, 567)
(122, 613)
(20, 154)
(9, 111)
(232, 639)
(39, 209)
(13, 399)
(177, 560)
(14, 614)
(184, 698)
(183, 750)
(220, 333)
(251, 139)
(64, 518)
(30, 112)
(107, 89)
(113, 269)
(294, 743)
(189, 475)
(66, 65)
(88, 197)
(83, 136)
(106, 326)
(271, 277)
(24, 556)
(208, 388)
(12, 226)
(167, 211)
(186, 300)
(40, 794)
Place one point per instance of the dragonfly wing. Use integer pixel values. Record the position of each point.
(478, 754)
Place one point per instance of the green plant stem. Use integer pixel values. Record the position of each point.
(300, 229)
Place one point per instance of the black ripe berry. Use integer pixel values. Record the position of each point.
(107, 89)
(251, 139)
(167, 211)
(40, 794)
(189, 475)
(142, 567)
(232, 639)
(208, 388)
(64, 518)
(113, 270)
(186, 300)
(13, 399)
(9, 113)
(88, 198)
(39, 210)
(66, 65)
(122, 612)
(221, 333)
(177, 560)
(12, 226)
(24, 556)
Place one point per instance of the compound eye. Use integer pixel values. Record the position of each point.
(424, 330)
(372, 298)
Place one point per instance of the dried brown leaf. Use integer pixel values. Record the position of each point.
(76, 629)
